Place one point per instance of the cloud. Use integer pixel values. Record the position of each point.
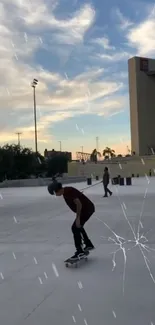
(76, 27)
(109, 52)
(124, 23)
(72, 92)
(90, 74)
(141, 37)
(111, 106)
(104, 42)
(22, 29)
(118, 56)
(41, 17)
(58, 98)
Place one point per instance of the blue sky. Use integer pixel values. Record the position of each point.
(78, 50)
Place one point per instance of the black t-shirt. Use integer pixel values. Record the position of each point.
(106, 178)
(71, 193)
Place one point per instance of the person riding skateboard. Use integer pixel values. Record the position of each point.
(83, 208)
(106, 177)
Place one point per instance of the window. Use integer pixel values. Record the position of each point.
(144, 64)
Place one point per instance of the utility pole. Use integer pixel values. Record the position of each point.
(82, 151)
(128, 150)
(97, 147)
(60, 146)
(34, 84)
(18, 134)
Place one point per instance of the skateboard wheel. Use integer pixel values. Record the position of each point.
(66, 264)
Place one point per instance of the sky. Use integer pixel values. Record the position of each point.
(78, 50)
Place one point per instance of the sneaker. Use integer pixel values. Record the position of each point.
(77, 255)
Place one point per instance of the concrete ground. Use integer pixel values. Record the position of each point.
(117, 284)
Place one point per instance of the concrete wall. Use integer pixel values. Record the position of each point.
(126, 168)
(77, 172)
(40, 181)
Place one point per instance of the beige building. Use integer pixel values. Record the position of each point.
(142, 104)
(124, 167)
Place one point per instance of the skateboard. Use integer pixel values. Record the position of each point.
(75, 262)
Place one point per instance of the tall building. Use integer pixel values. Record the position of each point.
(142, 105)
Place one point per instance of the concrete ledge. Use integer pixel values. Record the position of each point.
(41, 181)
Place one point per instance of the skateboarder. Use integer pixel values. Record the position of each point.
(83, 208)
(106, 182)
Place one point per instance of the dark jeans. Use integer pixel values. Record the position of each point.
(80, 234)
(106, 189)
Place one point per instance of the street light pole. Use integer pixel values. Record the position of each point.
(97, 148)
(34, 84)
(82, 152)
(60, 146)
(18, 134)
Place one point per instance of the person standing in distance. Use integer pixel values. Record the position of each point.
(83, 208)
(106, 178)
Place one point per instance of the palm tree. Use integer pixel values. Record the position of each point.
(108, 152)
(94, 155)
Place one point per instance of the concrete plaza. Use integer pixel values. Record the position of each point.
(116, 285)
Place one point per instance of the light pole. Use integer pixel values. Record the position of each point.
(82, 151)
(97, 148)
(60, 146)
(18, 134)
(128, 150)
(34, 84)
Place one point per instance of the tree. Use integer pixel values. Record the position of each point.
(108, 152)
(6, 162)
(17, 162)
(94, 155)
(57, 165)
(39, 165)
